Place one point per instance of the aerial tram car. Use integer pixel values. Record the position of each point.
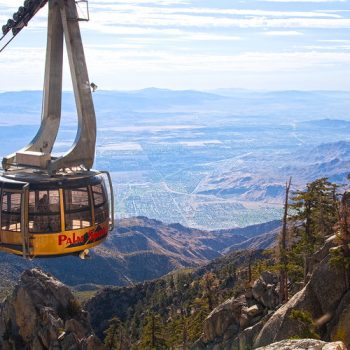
(53, 206)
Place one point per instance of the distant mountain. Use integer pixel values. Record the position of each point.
(252, 230)
(139, 249)
(108, 103)
(326, 153)
(326, 123)
(263, 181)
(299, 105)
(261, 242)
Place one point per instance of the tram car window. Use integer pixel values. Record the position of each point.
(100, 203)
(44, 211)
(11, 211)
(77, 208)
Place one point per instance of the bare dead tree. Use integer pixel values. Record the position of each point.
(184, 334)
(283, 260)
(153, 336)
(342, 229)
(250, 260)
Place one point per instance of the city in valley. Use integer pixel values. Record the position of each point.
(208, 160)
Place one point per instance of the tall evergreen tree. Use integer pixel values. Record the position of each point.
(115, 336)
(314, 214)
(152, 337)
(210, 284)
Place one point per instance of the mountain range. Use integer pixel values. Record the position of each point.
(138, 249)
(299, 104)
(259, 180)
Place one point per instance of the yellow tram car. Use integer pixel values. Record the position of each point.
(55, 205)
(51, 216)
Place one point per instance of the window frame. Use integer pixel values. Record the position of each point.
(51, 214)
(88, 208)
(2, 212)
(104, 204)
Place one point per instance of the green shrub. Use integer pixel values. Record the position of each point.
(306, 324)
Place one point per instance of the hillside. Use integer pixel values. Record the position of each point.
(139, 249)
(216, 307)
(174, 312)
(166, 295)
(234, 301)
(251, 297)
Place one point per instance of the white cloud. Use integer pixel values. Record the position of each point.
(185, 44)
(336, 41)
(157, 10)
(105, 17)
(251, 61)
(131, 68)
(103, 57)
(306, 1)
(208, 37)
(185, 36)
(137, 2)
(326, 48)
(129, 17)
(283, 33)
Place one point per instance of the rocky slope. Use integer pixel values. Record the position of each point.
(233, 322)
(41, 314)
(176, 291)
(248, 318)
(254, 319)
(326, 298)
(304, 344)
(139, 249)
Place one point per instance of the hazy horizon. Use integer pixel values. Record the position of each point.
(216, 90)
(198, 45)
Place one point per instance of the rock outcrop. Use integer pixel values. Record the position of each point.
(339, 327)
(236, 322)
(306, 344)
(265, 290)
(42, 313)
(253, 320)
(325, 298)
(227, 319)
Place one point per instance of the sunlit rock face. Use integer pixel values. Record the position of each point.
(256, 320)
(304, 344)
(42, 313)
(320, 298)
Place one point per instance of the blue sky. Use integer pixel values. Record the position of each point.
(197, 44)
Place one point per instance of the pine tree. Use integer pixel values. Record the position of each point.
(314, 213)
(115, 336)
(210, 285)
(199, 312)
(152, 337)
